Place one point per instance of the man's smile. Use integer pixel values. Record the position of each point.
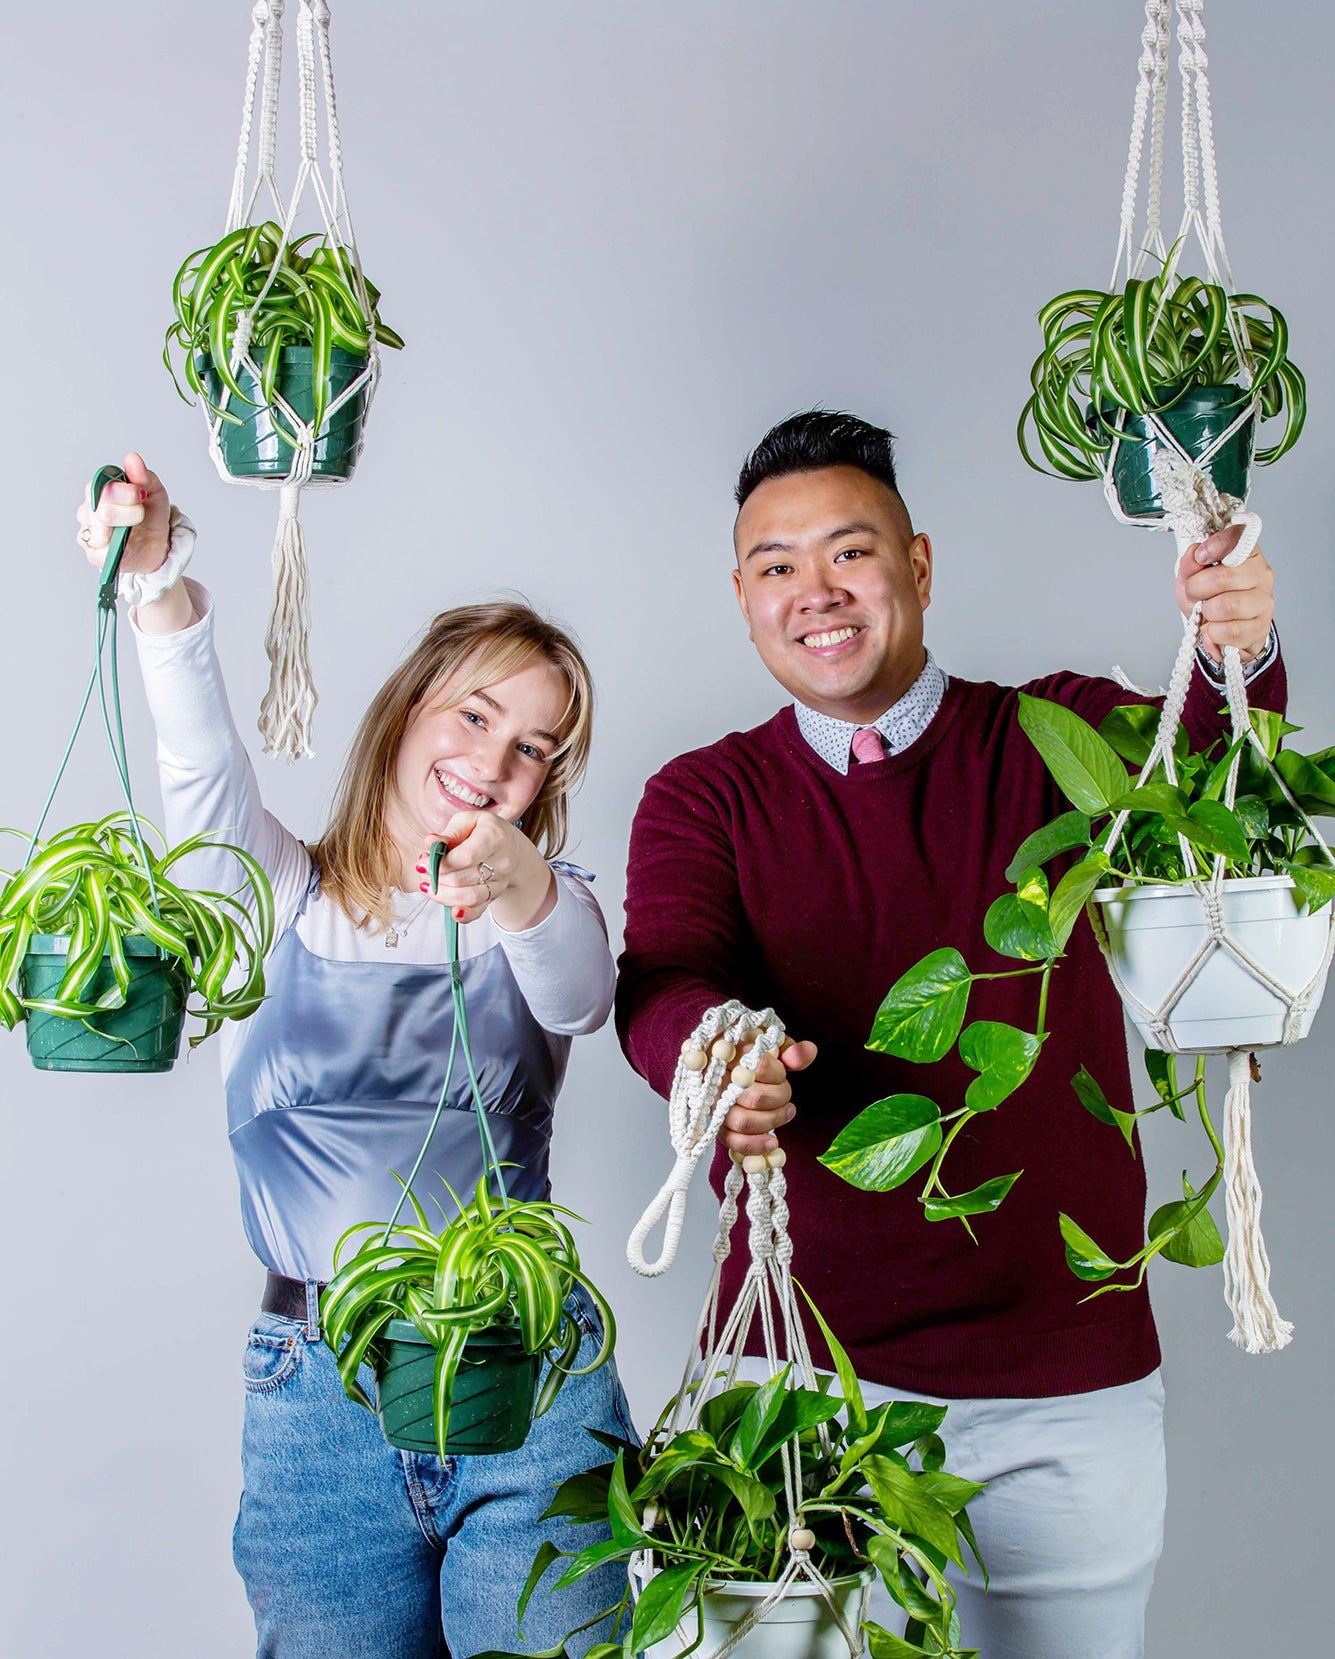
(831, 642)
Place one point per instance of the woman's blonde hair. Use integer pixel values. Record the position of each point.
(462, 651)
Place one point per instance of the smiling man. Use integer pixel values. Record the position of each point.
(805, 865)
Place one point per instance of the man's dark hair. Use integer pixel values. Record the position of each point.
(819, 438)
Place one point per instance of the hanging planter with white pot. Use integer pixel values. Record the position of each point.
(759, 1511)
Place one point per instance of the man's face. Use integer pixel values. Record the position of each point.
(833, 583)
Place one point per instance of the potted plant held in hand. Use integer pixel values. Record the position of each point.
(273, 334)
(1167, 360)
(1148, 848)
(456, 1325)
(100, 946)
(702, 1518)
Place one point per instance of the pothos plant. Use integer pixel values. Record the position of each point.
(102, 883)
(922, 1017)
(709, 1505)
(1138, 351)
(299, 293)
(500, 1261)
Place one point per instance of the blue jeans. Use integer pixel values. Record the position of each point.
(352, 1550)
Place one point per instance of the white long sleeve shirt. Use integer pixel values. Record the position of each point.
(563, 966)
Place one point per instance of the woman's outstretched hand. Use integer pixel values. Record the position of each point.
(492, 865)
(140, 502)
(143, 504)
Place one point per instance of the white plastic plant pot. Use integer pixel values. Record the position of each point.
(1154, 933)
(801, 1626)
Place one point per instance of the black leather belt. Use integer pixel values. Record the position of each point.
(285, 1297)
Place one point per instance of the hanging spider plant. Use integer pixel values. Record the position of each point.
(498, 1275)
(293, 294)
(1111, 362)
(95, 935)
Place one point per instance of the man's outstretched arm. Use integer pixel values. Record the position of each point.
(688, 948)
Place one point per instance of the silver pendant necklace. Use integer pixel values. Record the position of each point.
(394, 934)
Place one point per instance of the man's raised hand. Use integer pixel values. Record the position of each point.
(1237, 601)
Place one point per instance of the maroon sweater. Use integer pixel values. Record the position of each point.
(757, 871)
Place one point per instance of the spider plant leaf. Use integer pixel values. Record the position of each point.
(322, 354)
(1288, 377)
(447, 1364)
(212, 264)
(609, 1325)
(222, 324)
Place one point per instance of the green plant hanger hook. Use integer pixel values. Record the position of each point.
(111, 565)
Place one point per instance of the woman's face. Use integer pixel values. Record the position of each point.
(489, 752)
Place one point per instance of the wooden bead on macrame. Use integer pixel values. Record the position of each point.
(776, 1159)
(743, 1076)
(754, 1162)
(802, 1538)
(723, 1050)
(695, 1059)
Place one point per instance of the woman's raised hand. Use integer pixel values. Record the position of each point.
(492, 865)
(140, 502)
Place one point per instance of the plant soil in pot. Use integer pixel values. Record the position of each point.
(800, 1626)
(1154, 933)
(253, 437)
(491, 1406)
(142, 1034)
(1196, 420)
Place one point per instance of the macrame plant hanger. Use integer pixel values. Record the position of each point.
(289, 704)
(718, 1062)
(1193, 510)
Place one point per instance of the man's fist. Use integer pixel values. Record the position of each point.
(768, 1104)
(1237, 601)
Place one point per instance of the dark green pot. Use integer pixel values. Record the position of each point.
(494, 1392)
(255, 450)
(1195, 420)
(143, 1035)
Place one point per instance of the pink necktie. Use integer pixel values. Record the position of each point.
(868, 744)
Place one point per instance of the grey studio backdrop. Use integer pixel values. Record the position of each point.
(620, 240)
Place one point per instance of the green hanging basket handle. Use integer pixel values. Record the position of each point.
(111, 565)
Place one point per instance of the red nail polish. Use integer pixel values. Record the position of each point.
(423, 888)
(459, 914)
(421, 869)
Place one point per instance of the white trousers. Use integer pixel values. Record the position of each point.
(1071, 1523)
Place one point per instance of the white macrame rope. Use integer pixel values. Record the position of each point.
(1200, 176)
(717, 1063)
(1195, 509)
(702, 1096)
(288, 707)
(1257, 1325)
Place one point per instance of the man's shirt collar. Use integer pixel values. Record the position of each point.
(902, 723)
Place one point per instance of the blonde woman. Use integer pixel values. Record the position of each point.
(348, 1548)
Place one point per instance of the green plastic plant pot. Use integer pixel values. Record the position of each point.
(256, 450)
(142, 1035)
(1195, 420)
(494, 1391)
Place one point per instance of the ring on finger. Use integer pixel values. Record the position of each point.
(485, 872)
(490, 894)
(86, 535)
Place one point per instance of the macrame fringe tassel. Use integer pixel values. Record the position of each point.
(289, 704)
(1257, 1326)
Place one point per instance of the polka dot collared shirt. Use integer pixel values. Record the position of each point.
(902, 723)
